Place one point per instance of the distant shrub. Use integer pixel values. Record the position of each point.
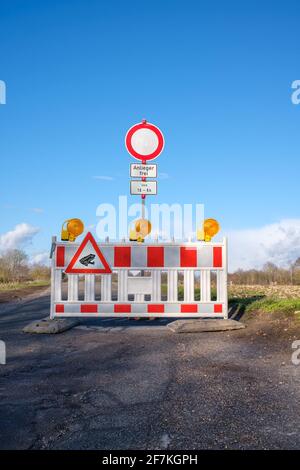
(14, 267)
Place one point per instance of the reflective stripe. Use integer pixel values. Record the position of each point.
(111, 309)
(204, 257)
(188, 257)
(88, 308)
(206, 308)
(138, 257)
(156, 308)
(155, 256)
(189, 308)
(144, 256)
(108, 252)
(122, 308)
(106, 308)
(217, 256)
(138, 308)
(122, 256)
(60, 256)
(172, 256)
(172, 308)
(218, 308)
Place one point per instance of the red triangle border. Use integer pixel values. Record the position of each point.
(88, 238)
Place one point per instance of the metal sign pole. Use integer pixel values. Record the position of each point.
(144, 162)
(143, 195)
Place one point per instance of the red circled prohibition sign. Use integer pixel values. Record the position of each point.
(144, 141)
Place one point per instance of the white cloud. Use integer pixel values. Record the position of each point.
(19, 237)
(104, 178)
(37, 210)
(278, 243)
(40, 258)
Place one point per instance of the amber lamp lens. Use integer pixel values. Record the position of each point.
(211, 227)
(143, 227)
(75, 227)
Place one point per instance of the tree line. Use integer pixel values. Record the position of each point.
(269, 274)
(15, 267)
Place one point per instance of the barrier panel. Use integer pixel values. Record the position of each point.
(144, 280)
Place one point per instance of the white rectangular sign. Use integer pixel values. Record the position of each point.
(138, 170)
(143, 187)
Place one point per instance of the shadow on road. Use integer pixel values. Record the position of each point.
(238, 306)
(125, 322)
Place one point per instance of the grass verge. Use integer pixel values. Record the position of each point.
(11, 286)
(277, 308)
(271, 305)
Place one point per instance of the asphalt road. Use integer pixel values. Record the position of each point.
(136, 385)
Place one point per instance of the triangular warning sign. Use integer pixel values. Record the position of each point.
(88, 259)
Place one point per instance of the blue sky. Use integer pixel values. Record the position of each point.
(214, 76)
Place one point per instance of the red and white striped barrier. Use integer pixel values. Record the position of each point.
(192, 260)
(140, 256)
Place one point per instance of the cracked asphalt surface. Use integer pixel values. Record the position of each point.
(136, 385)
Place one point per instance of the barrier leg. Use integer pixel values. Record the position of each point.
(156, 286)
(122, 286)
(73, 287)
(172, 286)
(106, 287)
(205, 285)
(188, 285)
(52, 298)
(55, 289)
(57, 285)
(222, 291)
(219, 286)
(223, 280)
(89, 288)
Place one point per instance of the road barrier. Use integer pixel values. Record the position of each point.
(159, 279)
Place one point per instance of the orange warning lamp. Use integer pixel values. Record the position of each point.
(71, 229)
(209, 229)
(142, 228)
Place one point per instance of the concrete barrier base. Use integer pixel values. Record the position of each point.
(201, 326)
(48, 326)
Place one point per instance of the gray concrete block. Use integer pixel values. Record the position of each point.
(48, 326)
(201, 325)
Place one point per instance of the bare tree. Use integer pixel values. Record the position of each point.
(13, 266)
(39, 272)
(269, 274)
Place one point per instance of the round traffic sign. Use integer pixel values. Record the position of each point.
(144, 141)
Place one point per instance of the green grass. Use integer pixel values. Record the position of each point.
(271, 305)
(268, 305)
(11, 286)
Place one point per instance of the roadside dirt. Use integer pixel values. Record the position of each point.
(22, 294)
